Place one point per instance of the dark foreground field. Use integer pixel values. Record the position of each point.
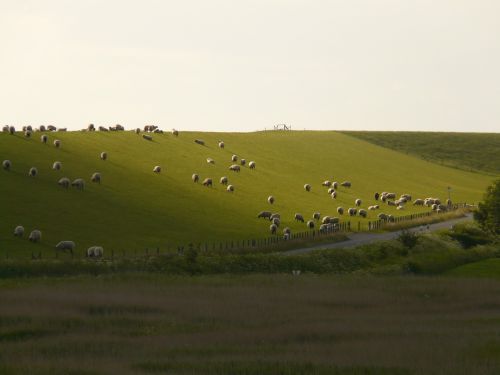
(273, 324)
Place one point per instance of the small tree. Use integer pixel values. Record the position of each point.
(488, 213)
(408, 238)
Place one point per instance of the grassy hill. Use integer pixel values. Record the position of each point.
(467, 151)
(134, 208)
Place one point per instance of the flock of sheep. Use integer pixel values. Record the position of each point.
(328, 223)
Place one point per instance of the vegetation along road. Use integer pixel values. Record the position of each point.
(362, 238)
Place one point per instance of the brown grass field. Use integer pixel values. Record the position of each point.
(259, 324)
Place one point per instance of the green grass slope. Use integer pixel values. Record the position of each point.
(489, 268)
(134, 208)
(467, 151)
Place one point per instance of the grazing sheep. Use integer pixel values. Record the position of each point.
(264, 214)
(243, 161)
(95, 252)
(442, 207)
(287, 230)
(307, 187)
(406, 197)
(12, 130)
(251, 165)
(91, 128)
(221, 144)
(137, 130)
(230, 188)
(5, 128)
(346, 184)
(175, 132)
(29, 128)
(158, 131)
(310, 224)
(210, 161)
(57, 143)
(27, 133)
(207, 182)
(96, 177)
(33, 172)
(376, 196)
(64, 182)
(57, 165)
(299, 217)
(103, 129)
(362, 213)
(35, 235)
(234, 158)
(382, 216)
(195, 177)
(326, 220)
(372, 208)
(448, 202)
(273, 228)
(352, 211)
(340, 210)
(276, 221)
(19, 231)
(330, 190)
(235, 168)
(6, 164)
(418, 202)
(316, 216)
(357, 202)
(51, 128)
(391, 203)
(79, 183)
(326, 183)
(334, 220)
(223, 180)
(275, 216)
(44, 138)
(270, 199)
(65, 246)
(390, 195)
(104, 155)
(43, 128)
(200, 142)
(157, 169)
(334, 195)
(335, 185)
(147, 137)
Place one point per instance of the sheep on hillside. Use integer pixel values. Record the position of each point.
(307, 187)
(91, 128)
(96, 177)
(157, 169)
(221, 144)
(147, 137)
(273, 228)
(352, 211)
(33, 172)
(103, 129)
(376, 196)
(95, 252)
(6, 164)
(299, 217)
(275, 216)
(27, 133)
(223, 180)
(330, 190)
(340, 210)
(234, 168)
(207, 182)
(316, 216)
(334, 195)
(418, 202)
(276, 221)
(137, 130)
(79, 183)
(43, 128)
(200, 142)
(326, 220)
(210, 161)
(104, 155)
(357, 202)
(264, 214)
(66, 246)
(5, 128)
(12, 130)
(326, 183)
(335, 185)
(175, 132)
(35, 235)
(44, 138)
(195, 177)
(270, 199)
(19, 231)
(310, 224)
(362, 213)
(251, 165)
(57, 143)
(234, 158)
(57, 166)
(346, 184)
(230, 188)
(243, 161)
(51, 128)
(64, 182)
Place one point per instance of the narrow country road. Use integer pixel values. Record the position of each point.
(362, 238)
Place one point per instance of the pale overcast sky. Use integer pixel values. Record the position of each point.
(241, 65)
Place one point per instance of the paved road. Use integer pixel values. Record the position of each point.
(362, 238)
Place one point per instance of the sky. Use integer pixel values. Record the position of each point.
(241, 65)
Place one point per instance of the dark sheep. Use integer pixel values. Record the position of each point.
(104, 155)
(44, 138)
(299, 217)
(6, 164)
(307, 187)
(316, 216)
(310, 224)
(251, 165)
(377, 195)
(346, 184)
(200, 142)
(223, 180)
(340, 210)
(264, 214)
(207, 182)
(195, 177)
(147, 137)
(243, 161)
(234, 168)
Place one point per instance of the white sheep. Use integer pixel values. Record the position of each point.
(35, 235)
(6, 164)
(357, 202)
(207, 182)
(65, 246)
(33, 172)
(333, 195)
(221, 144)
(251, 165)
(79, 183)
(270, 199)
(19, 231)
(273, 228)
(307, 187)
(104, 155)
(57, 143)
(210, 161)
(157, 169)
(326, 183)
(44, 138)
(234, 158)
(175, 132)
(223, 180)
(346, 184)
(96, 177)
(195, 177)
(230, 188)
(316, 216)
(57, 166)
(64, 182)
(234, 168)
(310, 224)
